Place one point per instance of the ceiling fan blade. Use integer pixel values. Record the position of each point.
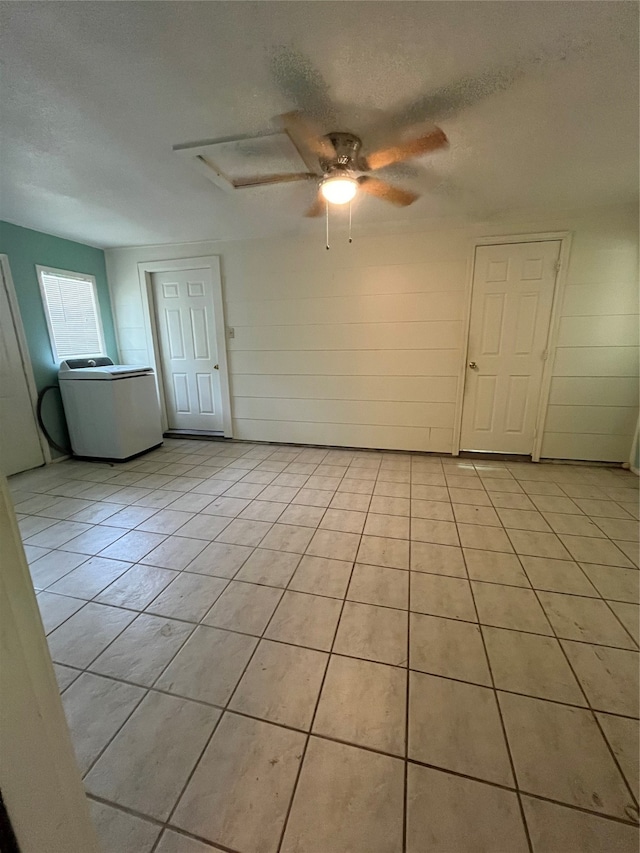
(387, 192)
(431, 141)
(307, 137)
(267, 180)
(317, 208)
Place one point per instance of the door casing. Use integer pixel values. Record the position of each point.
(543, 403)
(145, 271)
(23, 348)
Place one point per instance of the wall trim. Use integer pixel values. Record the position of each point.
(145, 271)
(565, 238)
(24, 353)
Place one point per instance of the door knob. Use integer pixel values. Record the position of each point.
(216, 367)
(473, 365)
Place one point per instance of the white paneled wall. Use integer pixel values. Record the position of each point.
(363, 345)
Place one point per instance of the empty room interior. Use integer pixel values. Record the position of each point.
(319, 427)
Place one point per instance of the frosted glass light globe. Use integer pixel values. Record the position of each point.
(339, 189)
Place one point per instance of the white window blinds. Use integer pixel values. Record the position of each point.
(73, 315)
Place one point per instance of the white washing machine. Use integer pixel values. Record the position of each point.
(112, 410)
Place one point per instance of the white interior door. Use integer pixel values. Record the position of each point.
(20, 447)
(513, 286)
(185, 318)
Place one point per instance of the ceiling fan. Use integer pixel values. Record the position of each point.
(336, 159)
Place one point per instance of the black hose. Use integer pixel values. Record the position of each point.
(66, 451)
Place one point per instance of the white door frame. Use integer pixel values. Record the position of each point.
(23, 349)
(554, 324)
(145, 272)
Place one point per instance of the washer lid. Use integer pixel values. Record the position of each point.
(82, 369)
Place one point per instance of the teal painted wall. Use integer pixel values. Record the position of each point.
(26, 248)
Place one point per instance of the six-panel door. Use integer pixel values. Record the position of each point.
(513, 286)
(189, 353)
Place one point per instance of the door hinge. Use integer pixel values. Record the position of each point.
(558, 265)
(545, 355)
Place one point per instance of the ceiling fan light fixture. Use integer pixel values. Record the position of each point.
(339, 189)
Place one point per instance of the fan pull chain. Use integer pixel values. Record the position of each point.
(326, 206)
(350, 238)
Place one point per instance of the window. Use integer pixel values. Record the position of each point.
(71, 307)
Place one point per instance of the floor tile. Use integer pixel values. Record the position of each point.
(143, 649)
(65, 675)
(535, 544)
(166, 521)
(437, 559)
(229, 507)
(476, 497)
(559, 753)
(472, 514)
(509, 607)
(284, 494)
(531, 664)
(602, 508)
(609, 677)
(438, 510)
(93, 540)
(613, 582)
(576, 618)
(382, 551)
(437, 595)
(448, 647)
(176, 552)
(191, 502)
(175, 842)
(56, 609)
(495, 567)
(558, 576)
(244, 607)
(130, 517)
(220, 560)
(390, 526)
(58, 534)
(337, 546)
(392, 489)
(230, 806)
(321, 576)
(305, 620)
(484, 538)
(486, 818)
(630, 550)
(137, 587)
(390, 506)
(437, 532)
(287, 537)
(203, 526)
(555, 828)
(50, 567)
(306, 516)
(133, 546)
(208, 666)
(148, 762)
(95, 709)
(629, 615)
(187, 597)
(505, 500)
(624, 739)
(619, 528)
(346, 500)
(344, 520)
(281, 684)
(363, 703)
(273, 568)
(313, 497)
(373, 633)
(87, 633)
(377, 585)
(552, 503)
(91, 577)
(574, 525)
(121, 832)
(346, 799)
(456, 726)
(585, 549)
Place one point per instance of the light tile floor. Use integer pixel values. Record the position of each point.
(272, 648)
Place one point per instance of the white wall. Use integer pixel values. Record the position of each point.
(363, 345)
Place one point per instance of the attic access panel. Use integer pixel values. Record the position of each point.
(248, 162)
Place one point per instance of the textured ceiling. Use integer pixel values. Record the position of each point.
(539, 100)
